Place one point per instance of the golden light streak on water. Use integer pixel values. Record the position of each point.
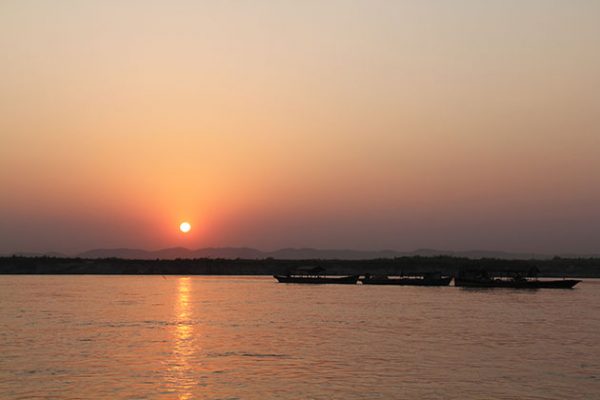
(180, 367)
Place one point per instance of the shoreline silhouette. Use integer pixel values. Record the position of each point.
(555, 267)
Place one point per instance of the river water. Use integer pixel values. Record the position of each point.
(174, 337)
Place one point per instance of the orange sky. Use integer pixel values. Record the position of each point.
(367, 125)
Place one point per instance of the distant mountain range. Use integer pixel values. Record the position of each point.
(293, 254)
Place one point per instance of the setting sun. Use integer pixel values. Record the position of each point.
(185, 227)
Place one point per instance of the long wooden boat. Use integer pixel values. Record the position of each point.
(345, 280)
(424, 280)
(517, 283)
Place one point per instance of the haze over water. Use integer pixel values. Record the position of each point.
(147, 337)
(361, 125)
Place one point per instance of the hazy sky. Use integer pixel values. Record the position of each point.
(333, 124)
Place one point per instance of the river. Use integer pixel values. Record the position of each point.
(178, 337)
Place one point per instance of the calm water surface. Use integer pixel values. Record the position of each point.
(149, 337)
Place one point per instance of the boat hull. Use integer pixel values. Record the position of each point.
(407, 281)
(498, 283)
(318, 280)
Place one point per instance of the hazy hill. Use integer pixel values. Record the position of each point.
(295, 253)
(176, 252)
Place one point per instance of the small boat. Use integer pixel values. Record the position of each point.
(315, 275)
(480, 279)
(427, 279)
(524, 284)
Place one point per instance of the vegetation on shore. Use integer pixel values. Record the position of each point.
(556, 267)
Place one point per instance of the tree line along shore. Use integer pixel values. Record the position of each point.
(555, 267)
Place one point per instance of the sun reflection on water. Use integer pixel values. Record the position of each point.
(181, 377)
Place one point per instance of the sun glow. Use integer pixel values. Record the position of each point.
(185, 227)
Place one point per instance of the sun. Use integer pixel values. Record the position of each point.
(185, 227)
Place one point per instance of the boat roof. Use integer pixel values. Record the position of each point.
(310, 269)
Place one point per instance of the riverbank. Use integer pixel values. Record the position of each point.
(556, 267)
